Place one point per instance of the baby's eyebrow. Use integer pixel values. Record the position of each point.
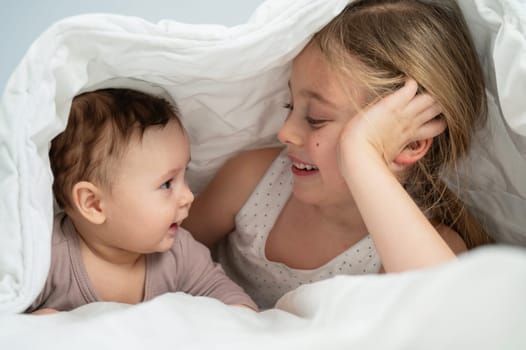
(172, 172)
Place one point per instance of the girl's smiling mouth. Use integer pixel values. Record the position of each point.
(302, 169)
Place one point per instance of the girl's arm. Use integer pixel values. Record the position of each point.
(212, 215)
(369, 145)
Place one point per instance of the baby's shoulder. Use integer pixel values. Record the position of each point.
(186, 253)
(186, 245)
(61, 233)
(63, 248)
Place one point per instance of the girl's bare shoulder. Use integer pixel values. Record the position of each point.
(250, 166)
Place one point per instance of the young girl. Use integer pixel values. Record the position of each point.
(119, 172)
(357, 188)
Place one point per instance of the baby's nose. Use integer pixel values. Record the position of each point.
(187, 197)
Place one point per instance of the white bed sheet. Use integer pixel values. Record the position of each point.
(230, 84)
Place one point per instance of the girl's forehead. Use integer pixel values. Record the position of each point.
(310, 57)
(313, 76)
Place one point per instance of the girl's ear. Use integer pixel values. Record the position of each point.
(87, 200)
(413, 153)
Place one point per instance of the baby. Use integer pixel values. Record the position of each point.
(119, 174)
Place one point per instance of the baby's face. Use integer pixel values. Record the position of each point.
(150, 197)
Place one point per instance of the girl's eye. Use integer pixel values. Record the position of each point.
(315, 122)
(166, 185)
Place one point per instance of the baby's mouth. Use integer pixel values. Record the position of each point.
(173, 228)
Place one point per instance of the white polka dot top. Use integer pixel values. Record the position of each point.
(242, 254)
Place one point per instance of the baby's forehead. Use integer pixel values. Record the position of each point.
(145, 162)
(156, 139)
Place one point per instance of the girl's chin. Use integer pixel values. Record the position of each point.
(305, 196)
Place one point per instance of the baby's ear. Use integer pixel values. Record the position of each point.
(412, 153)
(87, 201)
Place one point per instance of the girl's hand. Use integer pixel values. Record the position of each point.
(393, 123)
(369, 146)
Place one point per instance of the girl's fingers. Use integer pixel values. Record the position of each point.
(429, 113)
(401, 97)
(432, 128)
(419, 108)
(402, 117)
(423, 107)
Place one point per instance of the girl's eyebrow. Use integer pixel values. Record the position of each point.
(315, 95)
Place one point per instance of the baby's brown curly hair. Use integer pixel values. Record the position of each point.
(100, 126)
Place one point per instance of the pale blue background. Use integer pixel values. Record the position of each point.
(21, 21)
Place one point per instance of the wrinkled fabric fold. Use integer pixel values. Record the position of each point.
(230, 84)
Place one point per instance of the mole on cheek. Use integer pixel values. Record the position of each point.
(317, 144)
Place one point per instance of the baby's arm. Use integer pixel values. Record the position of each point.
(369, 147)
(198, 275)
(46, 311)
(212, 215)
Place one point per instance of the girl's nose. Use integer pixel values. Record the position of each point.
(290, 133)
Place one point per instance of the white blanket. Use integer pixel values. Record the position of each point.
(475, 303)
(230, 84)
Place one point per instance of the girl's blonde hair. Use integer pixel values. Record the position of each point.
(427, 40)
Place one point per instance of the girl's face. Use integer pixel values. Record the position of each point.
(319, 109)
(149, 196)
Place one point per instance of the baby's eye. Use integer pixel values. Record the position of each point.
(288, 106)
(166, 185)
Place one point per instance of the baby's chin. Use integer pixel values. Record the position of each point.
(169, 241)
(164, 245)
